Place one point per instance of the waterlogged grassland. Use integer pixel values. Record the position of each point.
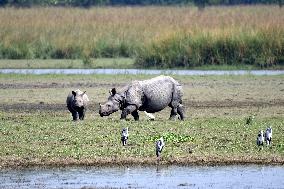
(36, 128)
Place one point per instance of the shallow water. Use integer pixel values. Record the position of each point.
(141, 71)
(251, 176)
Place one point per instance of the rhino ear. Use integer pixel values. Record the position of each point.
(74, 93)
(113, 91)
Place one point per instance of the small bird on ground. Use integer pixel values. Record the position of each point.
(124, 136)
(268, 136)
(159, 146)
(260, 138)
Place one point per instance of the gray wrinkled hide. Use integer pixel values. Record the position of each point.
(77, 104)
(151, 95)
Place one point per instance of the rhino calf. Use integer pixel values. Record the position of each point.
(77, 104)
(152, 95)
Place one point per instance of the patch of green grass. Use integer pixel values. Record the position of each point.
(171, 137)
(46, 136)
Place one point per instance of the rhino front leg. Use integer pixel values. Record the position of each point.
(82, 114)
(135, 115)
(131, 109)
(74, 113)
(75, 116)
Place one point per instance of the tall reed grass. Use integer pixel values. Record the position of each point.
(157, 36)
(260, 49)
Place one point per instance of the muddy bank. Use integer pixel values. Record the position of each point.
(10, 162)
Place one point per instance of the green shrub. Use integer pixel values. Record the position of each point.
(16, 51)
(43, 50)
(108, 48)
(70, 52)
(87, 61)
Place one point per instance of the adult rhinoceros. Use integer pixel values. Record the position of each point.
(152, 95)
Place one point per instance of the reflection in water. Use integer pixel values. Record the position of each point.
(141, 71)
(158, 171)
(145, 177)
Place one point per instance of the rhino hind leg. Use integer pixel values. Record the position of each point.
(173, 113)
(176, 103)
(180, 111)
(177, 108)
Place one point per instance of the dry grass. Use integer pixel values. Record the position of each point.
(103, 31)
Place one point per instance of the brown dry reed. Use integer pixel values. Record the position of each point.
(155, 36)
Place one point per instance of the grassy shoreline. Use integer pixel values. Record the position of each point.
(36, 128)
(99, 162)
(79, 152)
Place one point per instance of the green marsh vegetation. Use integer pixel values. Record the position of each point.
(161, 37)
(37, 129)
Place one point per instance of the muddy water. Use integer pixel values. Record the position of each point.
(251, 176)
(141, 71)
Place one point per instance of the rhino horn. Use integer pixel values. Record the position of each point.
(83, 93)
